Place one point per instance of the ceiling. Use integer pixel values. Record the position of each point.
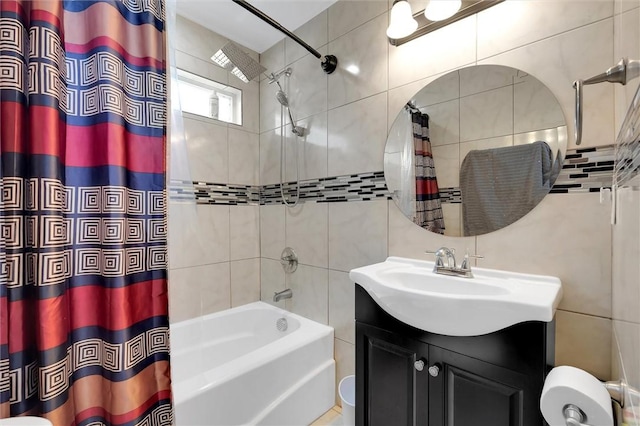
(235, 23)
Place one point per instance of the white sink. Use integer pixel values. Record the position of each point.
(410, 291)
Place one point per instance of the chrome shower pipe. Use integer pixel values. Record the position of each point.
(622, 72)
(329, 63)
(274, 77)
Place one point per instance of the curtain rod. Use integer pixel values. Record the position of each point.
(329, 63)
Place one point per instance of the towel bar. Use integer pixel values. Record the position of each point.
(622, 72)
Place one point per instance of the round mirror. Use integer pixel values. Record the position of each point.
(475, 150)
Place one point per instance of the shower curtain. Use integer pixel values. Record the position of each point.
(84, 333)
(428, 206)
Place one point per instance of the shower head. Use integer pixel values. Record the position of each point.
(282, 98)
(243, 66)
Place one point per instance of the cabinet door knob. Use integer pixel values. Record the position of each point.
(419, 365)
(434, 370)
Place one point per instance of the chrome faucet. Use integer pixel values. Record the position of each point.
(451, 268)
(284, 294)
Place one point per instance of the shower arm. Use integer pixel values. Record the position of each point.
(622, 72)
(329, 63)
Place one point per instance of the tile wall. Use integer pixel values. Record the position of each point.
(347, 115)
(626, 231)
(214, 250)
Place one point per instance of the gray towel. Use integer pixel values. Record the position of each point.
(501, 185)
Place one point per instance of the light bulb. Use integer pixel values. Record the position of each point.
(438, 10)
(401, 23)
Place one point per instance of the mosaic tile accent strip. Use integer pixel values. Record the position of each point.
(451, 195)
(214, 193)
(358, 187)
(584, 170)
(628, 154)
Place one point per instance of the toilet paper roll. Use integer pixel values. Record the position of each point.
(568, 385)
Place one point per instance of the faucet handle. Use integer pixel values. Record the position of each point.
(444, 252)
(465, 262)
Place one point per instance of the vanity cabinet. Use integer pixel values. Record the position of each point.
(406, 376)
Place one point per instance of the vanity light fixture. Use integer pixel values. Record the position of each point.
(439, 10)
(401, 22)
(437, 14)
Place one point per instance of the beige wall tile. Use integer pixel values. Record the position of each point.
(357, 136)
(357, 234)
(584, 342)
(515, 23)
(313, 32)
(312, 149)
(453, 46)
(362, 63)
(207, 147)
(272, 231)
(272, 280)
(406, 239)
(342, 306)
(567, 236)
(310, 287)
(306, 233)
(306, 89)
(244, 230)
(626, 252)
(215, 287)
(244, 157)
(590, 49)
(346, 15)
(245, 281)
(198, 234)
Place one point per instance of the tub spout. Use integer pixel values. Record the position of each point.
(284, 294)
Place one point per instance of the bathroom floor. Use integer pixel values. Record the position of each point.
(332, 417)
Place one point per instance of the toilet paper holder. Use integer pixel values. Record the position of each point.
(618, 389)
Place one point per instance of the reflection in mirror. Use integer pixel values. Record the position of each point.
(475, 150)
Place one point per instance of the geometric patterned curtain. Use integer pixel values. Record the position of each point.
(84, 332)
(428, 204)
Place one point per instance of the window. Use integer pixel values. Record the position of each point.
(208, 98)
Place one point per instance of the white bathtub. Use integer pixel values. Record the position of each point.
(236, 368)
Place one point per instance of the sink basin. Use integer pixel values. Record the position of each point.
(410, 291)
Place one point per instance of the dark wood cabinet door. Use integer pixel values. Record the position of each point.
(389, 388)
(473, 392)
